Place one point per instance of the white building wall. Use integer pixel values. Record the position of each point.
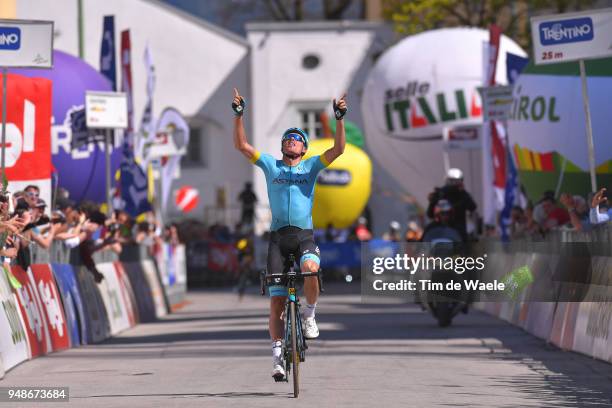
(194, 62)
(280, 83)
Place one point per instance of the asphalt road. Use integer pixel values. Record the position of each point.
(216, 353)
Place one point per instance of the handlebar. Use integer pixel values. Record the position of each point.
(263, 277)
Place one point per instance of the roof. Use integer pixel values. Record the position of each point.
(201, 22)
(342, 25)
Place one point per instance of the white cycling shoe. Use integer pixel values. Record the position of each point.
(278, 370)
(311, 331)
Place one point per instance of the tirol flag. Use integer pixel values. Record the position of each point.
(108, 66)
(134, 182)
(547, 127)
(515, 64)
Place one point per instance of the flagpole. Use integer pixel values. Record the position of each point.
(589, 127)
(107, 169)
(4, 92)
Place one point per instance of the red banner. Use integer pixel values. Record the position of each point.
(51, 306)
(28, 128)
(32, 312)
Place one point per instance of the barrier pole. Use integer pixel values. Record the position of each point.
(589, 127)
(4, 91)
(107, 170)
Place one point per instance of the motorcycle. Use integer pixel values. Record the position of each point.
(442, 302)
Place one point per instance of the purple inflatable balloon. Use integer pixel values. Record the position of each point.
(81, 171)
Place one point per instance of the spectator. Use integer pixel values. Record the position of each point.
(330, 233)
(361, 230)
(31, 195)
(600, 212)
(40, 230)
(248, 199)
(460, 200)
(414, 232)
(578, 211)
(393, 234)
(519, 223)
(554, 215)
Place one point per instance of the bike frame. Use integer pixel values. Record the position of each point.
(290, 276)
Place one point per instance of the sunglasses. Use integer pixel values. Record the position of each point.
(293, 136)
(32, 194)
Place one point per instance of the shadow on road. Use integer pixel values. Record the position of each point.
(356, 328)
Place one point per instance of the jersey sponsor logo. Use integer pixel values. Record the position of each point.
(279, 180)
(334, 177)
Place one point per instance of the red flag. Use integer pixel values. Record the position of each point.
(126, 81)
(499, 158)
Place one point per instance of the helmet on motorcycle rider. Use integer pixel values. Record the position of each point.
(454, 177)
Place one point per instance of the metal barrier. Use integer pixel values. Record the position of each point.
(580, 325)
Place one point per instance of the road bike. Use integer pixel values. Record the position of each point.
(294, 342)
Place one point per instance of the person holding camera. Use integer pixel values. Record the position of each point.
(460, 200)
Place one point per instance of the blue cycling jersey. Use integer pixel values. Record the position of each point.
(290, 189)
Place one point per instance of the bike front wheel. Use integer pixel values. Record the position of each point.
(295, 355)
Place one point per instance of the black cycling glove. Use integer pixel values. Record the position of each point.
(339, 113)
(239, 109)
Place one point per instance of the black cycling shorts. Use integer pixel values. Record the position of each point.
(286, 241)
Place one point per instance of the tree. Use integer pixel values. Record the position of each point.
(413, 16)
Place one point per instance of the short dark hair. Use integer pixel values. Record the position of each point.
(97, 217)
(32, 186)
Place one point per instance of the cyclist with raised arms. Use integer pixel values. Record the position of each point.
(291, 183)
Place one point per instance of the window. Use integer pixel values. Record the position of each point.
(311, 122)
(196, 150)
(310, 61)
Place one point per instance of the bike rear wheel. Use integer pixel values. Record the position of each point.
(295, 355)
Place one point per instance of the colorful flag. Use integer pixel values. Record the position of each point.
(514, 66)
(134, 182)
(147, 124)
(108, 66)
(511, 194)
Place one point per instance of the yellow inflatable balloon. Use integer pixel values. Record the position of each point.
(343, 189)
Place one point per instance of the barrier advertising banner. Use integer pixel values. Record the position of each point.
(32, 310)
(51, 306)
(113, 299)
(73, 304)
(157, 292)
(142, 291)
(13, 341)
(170, 260)
(127, 294)
(98, 327)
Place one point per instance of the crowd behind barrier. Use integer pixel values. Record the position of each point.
(584, 326)
(56, 303)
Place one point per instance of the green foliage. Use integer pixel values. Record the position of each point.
(414, 16)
